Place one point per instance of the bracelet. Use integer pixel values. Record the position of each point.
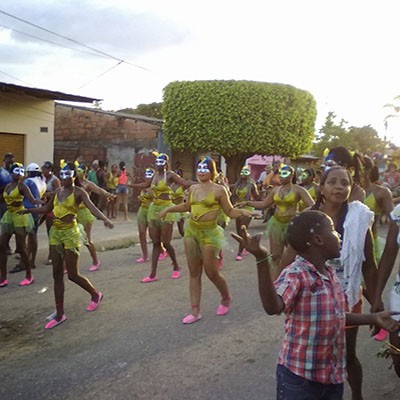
(266, 258)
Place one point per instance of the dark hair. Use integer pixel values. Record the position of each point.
(344, 158)
(69, 165)
(211, 166)
(122, 165)
(303, 227)
(49, 165)
(310, 172)
(320, 197)
(371, 168)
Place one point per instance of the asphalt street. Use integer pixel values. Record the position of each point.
(135, 347)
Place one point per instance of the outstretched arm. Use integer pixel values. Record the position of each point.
(227, 206)
(82, 196)
(271, 301)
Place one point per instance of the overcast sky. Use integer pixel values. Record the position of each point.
(346, 53)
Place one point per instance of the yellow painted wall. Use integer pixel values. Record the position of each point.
(25, 115)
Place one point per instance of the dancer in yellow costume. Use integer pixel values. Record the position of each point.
(203, 237)
(66, 238)
(286, 198)
(13, 223)
(379, 200)
(84, 216)
(145, 199)
(307, 182)
(161, 230)
(244, 190)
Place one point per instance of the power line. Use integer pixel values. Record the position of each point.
(49, 41)
(103, 73)
(13, 77)
(72, 40)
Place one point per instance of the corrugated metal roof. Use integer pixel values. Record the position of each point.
(43, 93)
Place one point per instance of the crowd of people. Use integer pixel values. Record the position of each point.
(324, 254)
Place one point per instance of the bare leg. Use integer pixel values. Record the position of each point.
(195, 271)
(155, 235)
(210, 265)
(354, 368)
(276, 249)
(21, 245)
(32, 248)
(142, 228)
(4, 244)
(71, 262)
(58, 276)
(90, 245)
(166, 235)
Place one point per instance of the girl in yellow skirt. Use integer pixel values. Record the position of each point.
(13, 223)
(66, 237)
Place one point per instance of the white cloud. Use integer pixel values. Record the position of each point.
(344, 53)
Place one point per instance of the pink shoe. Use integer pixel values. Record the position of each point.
(142, 260)
(381, 335)
(176, 274)
(27, 281)
(163, 255)
(94, 304)
(245, 252)
(238, 258)
(4, 283)
(53, 323)
(95, 267)
(148, 279)
(190, 319)
(223, 310)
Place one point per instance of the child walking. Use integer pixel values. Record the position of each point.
(311, 362)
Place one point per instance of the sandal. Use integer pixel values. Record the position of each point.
(53, 323)
(191, 319)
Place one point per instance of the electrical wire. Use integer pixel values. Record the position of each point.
(103, 73)
(13, 77)
(53, 43)
(72, 40)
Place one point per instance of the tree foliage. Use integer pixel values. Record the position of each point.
(333, 134)
(233, 117)
(152, 110)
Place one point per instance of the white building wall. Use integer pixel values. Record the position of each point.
(28, 116)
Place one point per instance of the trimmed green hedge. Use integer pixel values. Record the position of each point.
(231, 117)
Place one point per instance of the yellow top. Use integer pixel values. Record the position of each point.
(178, 195)
(158, 190)
(145, 199)
(313, 194)
(13, 197)
(242, 193)
(202, 207)
(283, 204)
(371, 203)
(112, 181)
(66, 207)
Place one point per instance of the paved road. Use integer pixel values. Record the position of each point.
(134, 346)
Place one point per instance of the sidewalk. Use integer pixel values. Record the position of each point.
(125, 233)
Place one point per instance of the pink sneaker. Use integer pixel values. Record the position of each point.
(95, 267)
(190, 319)
(92, 306)
(163, 255)
(238, 258)
(53, 323)
(245, 252)
(223, 310)
(27, 281)
(176, 274)
(147, 279)
(4, 283)
(381, 335)
(142, 260)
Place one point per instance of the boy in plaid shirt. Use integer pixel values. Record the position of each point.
(311, 362)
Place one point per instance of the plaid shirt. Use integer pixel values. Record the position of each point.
(314, 343)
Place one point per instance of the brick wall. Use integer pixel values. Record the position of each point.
(96, 134)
